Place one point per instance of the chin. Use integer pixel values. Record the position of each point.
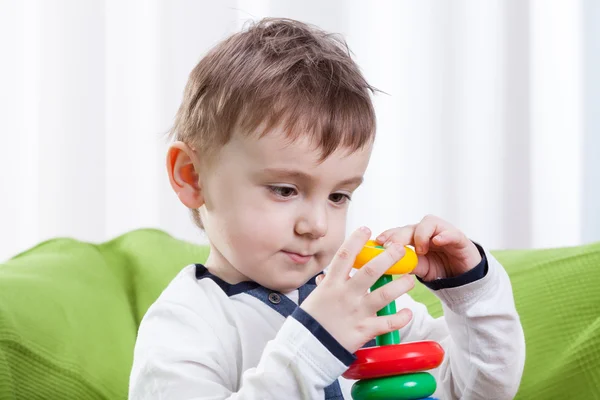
(289, 284)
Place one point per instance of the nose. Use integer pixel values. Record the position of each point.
(312, 221)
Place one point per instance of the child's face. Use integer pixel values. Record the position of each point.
(273, 213)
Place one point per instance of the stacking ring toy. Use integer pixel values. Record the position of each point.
(392, 370)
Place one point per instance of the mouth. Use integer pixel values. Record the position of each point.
(297, 257)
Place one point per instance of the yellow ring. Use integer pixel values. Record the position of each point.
(370, 250)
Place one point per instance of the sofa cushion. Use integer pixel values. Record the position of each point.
(69, 312)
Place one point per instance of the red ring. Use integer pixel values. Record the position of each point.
(396, 359)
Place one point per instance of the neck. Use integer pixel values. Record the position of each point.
(220, 267)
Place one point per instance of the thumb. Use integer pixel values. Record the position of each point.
(320, 278)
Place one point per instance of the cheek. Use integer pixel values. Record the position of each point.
(257, 229)
(335, 235)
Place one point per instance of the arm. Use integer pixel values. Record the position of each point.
(480, 332)
(179, 355)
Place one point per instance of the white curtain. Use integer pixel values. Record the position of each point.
(491, 118)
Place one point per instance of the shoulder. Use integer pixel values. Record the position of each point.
(188, 305)
(186, 289)
(183, 333)
(189, 289)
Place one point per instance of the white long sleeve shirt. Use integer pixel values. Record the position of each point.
(206, 339)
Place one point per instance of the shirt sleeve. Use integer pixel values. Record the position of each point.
(476, 273)
(178, 355)
(480, 332)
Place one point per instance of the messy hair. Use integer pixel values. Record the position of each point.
(277, 73)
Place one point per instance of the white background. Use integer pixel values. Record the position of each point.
(491, 119)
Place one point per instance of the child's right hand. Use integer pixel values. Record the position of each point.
(343, 305)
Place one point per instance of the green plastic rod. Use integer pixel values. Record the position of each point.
(390, 309)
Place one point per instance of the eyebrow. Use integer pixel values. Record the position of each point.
(292, 173)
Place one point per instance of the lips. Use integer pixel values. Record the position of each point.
(298, 258)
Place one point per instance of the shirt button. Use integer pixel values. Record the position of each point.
(274, 298)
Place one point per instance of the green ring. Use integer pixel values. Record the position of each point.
(399, 387)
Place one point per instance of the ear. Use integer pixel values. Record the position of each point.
(182, 164)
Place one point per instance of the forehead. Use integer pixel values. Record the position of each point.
(276, 150)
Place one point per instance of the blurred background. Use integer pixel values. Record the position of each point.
(491, 118)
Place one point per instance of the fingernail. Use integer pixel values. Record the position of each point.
(365, 230)
(387, 244)
(399, 247)
(419, 249)
(380, 238)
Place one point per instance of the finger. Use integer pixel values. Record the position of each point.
(402, 235)
(428, 227)
(388, 293)
(423, 267)
(319, 279)
(390, 323)
(448, 238)
(368, 274)
(342, 262)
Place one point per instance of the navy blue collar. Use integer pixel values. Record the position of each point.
(242, 287)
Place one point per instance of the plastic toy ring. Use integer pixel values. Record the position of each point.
(396, 359)
(373, 249)
(400, 387)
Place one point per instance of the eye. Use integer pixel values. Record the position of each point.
(283, 191)
(339, 198)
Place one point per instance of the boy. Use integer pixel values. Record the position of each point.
(272, 138)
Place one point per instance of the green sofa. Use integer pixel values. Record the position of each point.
(69, 312)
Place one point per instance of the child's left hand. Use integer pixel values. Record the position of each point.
(443, 250)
